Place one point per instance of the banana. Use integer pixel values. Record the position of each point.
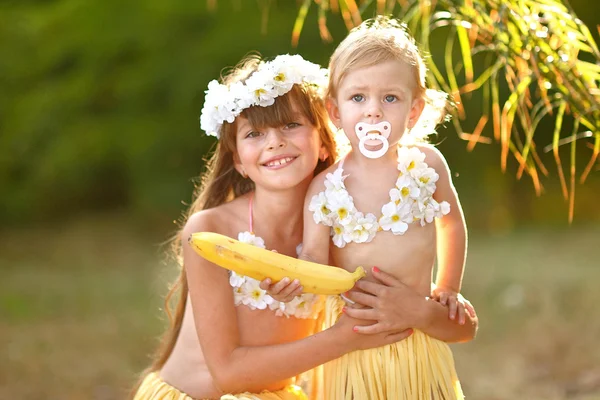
(255, 262)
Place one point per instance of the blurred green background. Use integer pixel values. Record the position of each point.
(99, 147)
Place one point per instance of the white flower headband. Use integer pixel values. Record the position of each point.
(271, 79)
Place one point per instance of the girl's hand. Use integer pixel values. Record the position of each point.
(456, 303)
(284, 291)
(390, 304)
(347, 328)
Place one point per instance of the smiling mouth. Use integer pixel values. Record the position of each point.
(279, 162)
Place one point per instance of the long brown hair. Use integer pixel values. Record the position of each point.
(221, 182)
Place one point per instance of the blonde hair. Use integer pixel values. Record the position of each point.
(383, 39)
(221, 182)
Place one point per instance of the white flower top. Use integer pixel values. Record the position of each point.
(410, 201)
(247, 291)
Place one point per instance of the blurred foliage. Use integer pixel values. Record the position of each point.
(99, 107)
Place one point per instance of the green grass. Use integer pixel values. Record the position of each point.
(80, 311)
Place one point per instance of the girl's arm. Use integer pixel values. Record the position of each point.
(396, 307)
(234, 367)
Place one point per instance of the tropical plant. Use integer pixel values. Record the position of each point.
(539, 49)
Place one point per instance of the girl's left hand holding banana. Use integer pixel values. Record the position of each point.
(284, 291)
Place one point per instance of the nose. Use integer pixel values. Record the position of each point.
(275, 139)
(373, 111)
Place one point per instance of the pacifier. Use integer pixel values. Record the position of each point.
(372, 135)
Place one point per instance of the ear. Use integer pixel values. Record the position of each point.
(415, 111)
(323, 153)
(333, 111)
(238, 165)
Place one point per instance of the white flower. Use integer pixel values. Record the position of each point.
(342, 206)
(243, 99)
(301, 306)
(250, 238)
(318, 205)
(337, 233)
(444, 208)
(254, 296)
(426, 179)
(236, 280)
(405, 188)
(362, 229)
(278, 307)
(335, 181)
(409, 159)
(392, 219)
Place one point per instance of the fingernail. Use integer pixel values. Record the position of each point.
(344, 310)
(410, 332)
(355, 329)
(376, 270)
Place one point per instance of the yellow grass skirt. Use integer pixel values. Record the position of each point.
(154, 388)
(417, 368)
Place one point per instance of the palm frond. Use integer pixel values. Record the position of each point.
(539, 48)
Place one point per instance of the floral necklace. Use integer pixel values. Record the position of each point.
(410, 200)
(247, 291)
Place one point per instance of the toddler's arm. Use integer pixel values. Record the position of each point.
(315, 247)
(451, 238)
(395, 306)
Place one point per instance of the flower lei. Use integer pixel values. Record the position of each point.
(247, 291)
(271, 79)
(411, 200)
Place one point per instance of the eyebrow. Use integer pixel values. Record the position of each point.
(392, 88)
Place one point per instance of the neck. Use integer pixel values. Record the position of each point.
(389, 158)
(281, 211)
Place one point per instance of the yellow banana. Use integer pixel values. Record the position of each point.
(255, 262)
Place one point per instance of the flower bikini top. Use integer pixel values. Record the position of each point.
(410, 201)
(247, 291)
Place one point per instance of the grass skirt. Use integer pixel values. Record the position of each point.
(417, 368)
(154, 388)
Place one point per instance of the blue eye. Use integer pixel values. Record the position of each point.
(292, 125)
(358, 98)
(390, 98)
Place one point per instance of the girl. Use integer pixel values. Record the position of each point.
(379, 204)
(229, 339)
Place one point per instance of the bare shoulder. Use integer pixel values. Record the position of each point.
(318, 183)
(433, 157)
(201, 221)
(217, 219)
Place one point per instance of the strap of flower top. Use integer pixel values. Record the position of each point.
(341, 164)
(250, 221)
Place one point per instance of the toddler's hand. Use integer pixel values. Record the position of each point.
(456, 303)
(284, 291)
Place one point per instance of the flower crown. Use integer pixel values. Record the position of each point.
(271, 79)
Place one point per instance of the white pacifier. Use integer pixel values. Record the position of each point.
(373, 134)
